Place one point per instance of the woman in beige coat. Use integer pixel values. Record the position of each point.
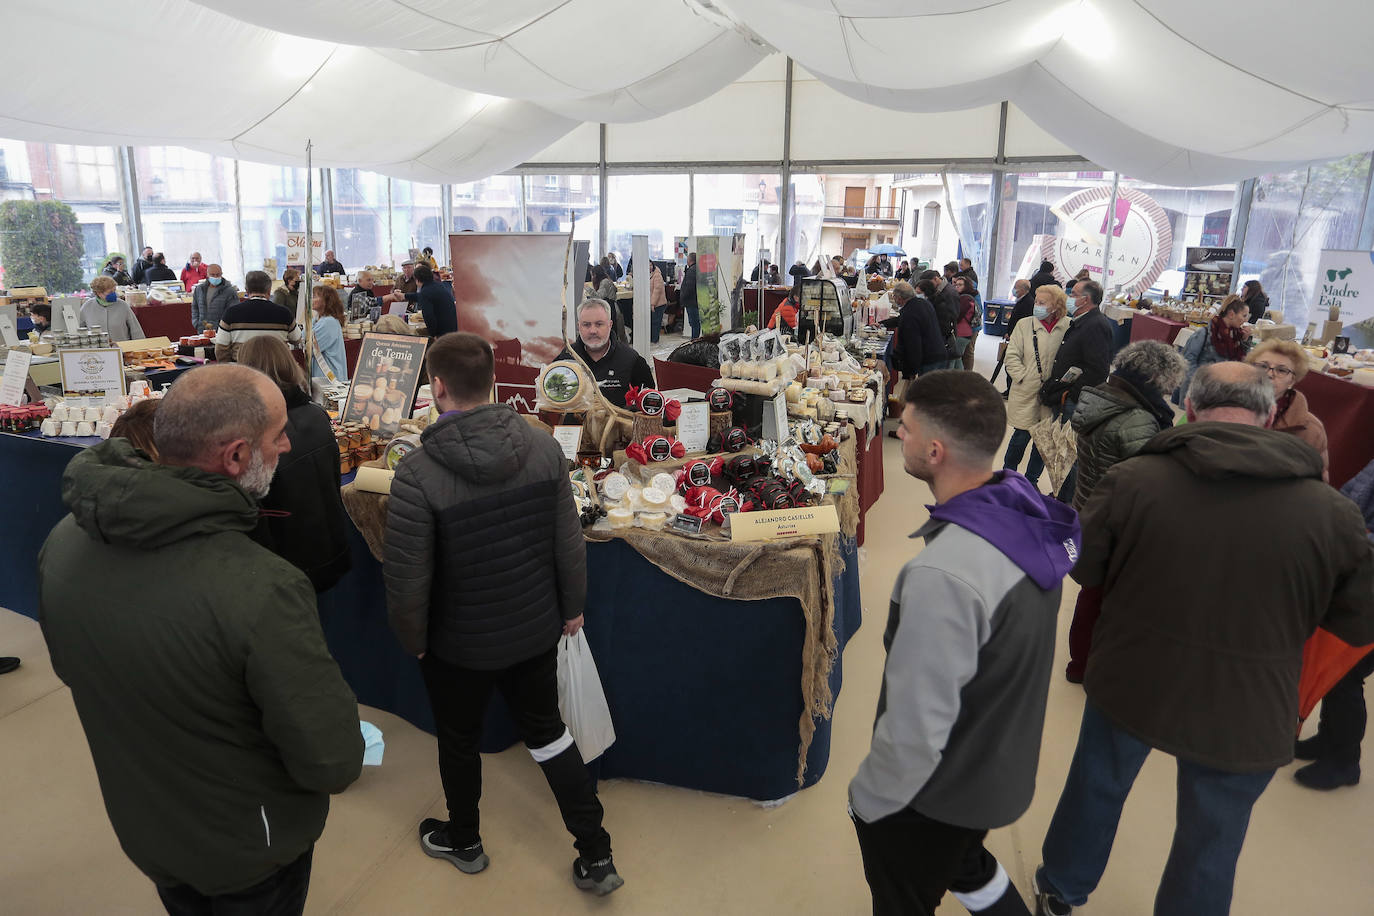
(1030, 356)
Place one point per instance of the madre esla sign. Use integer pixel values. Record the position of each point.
(1345, 280)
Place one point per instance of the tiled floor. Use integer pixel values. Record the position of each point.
(681, 852)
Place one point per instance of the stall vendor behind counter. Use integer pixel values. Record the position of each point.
(614, 365)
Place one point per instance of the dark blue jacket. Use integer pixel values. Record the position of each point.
(919, 340)
(436, 304)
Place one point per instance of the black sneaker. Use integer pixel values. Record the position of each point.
(599, 877)
(1327, 774)
(1308, 748)
(435, 842)
(1047, 904)
(8, 664)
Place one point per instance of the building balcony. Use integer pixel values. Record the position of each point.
(859, 216)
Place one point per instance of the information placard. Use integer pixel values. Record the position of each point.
(8, 335)
(384, 381)
(772, 524)
(92, 372)
(694, 426)
(16, 374)
(569, 438)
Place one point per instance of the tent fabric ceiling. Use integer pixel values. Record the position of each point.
(454, 90)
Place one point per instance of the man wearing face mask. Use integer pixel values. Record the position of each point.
(141, 266)
(106, 310)
(244, 724)
(41, 315)
(1087, 348)
(211, 299)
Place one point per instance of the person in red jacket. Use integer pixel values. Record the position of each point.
(194, 271)
(786, 312)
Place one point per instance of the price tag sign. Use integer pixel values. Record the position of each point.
(16, 374)
(694, 426)
(686, 524)
(569, 438)
(775, 420)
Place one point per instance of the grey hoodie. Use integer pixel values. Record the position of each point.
(970, 642)
(484, 555)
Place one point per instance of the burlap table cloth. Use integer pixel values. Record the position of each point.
(803, 568)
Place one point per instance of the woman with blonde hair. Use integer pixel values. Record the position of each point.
(285, 296)
(329, 321)
(107, 311)
(1285, 362)
(1030, 359)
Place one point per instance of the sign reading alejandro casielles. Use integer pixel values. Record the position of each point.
(1345, 279)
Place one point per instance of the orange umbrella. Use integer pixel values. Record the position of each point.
(1326, 659)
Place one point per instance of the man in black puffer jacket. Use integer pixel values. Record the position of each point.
(485, 568)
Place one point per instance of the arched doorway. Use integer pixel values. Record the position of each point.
(497, 224)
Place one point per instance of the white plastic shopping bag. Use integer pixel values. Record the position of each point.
(581, 699)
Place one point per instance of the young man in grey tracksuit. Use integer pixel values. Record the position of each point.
(970, 643)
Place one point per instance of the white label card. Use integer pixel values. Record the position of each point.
(16, 374)
(775, 420)
(69, 316)
(99, 370)
(8, 334)
(569, 437)
(694, 426)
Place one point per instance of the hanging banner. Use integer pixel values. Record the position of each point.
(680, 249)
(1142, 239)
(295, 250)
(1344, 293)
(732, 279)
(508, 288)
(1208, 272)
(708, 283)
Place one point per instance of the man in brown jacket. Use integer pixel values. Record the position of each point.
(1190, 658)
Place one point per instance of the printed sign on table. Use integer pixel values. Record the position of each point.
(93, 372)
(384, 381)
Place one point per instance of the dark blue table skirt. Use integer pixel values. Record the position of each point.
(705, 692)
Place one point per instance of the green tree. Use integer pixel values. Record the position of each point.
(41, 245)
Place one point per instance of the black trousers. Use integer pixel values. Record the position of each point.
(1343, 716)
(911, 860)
(282, 894)
(459, 697)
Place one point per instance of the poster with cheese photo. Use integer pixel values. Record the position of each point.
(384, 381)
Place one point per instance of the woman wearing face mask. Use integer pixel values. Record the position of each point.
(107, 311)
(286, 294)
(194, 271)
(1285, 362)
(1030, 357)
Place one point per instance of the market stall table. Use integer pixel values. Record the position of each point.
(1153, 327)
(705, 690)
(712, 684)
(1346, 409)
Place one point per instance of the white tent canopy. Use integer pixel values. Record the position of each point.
(455, 90)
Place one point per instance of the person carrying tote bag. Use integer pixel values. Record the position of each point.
(1030, 356)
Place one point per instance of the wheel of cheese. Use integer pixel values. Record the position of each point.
(615, 485)
(663, 482)
(565, 386)
(654, 498)
(620, 518)
(652, 520)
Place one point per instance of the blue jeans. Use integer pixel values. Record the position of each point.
(1016, 449)
(657, 325)
(694, 320)
(1213, 813)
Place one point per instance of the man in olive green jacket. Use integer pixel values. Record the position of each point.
(217, 719)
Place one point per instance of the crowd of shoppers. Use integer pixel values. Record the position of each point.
(237, 468)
